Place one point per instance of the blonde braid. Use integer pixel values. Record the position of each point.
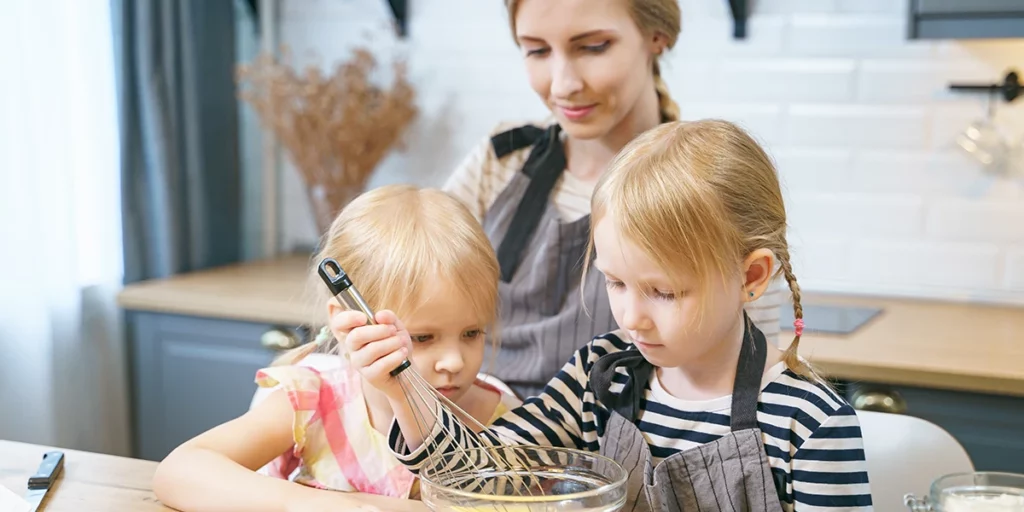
(324, 341)
(667, 107)
(790, 356)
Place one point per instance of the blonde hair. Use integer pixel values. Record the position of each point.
(396, 241)
(651, 17)
(698, 197)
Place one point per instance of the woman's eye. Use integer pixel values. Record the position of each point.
(613, 284)
(421, 338)
(536, 52)
(664, 295)
(473, 334)
(597, 48)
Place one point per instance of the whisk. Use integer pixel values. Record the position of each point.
(482, 469)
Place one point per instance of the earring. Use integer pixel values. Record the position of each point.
(751, 294)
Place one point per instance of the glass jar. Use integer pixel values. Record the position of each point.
(972, 492)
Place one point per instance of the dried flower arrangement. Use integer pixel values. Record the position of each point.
(335, 128)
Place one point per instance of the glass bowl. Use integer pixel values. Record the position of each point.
(973, 492)
(522, 479)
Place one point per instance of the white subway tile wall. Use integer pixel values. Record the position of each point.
(858, 118)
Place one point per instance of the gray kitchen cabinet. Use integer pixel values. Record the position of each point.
(189, 374)
(990, 427)
(966, 19)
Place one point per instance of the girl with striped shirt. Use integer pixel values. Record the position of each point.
(689, 225)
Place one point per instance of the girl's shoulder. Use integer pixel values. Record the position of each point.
(809, 399)
(508, 142)
(290, 377)
(508, 126)
(304, 383)
(490, 165)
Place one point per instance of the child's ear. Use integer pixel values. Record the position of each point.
(333, 307)
(757, 273)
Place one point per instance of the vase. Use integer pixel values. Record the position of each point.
(327, 201)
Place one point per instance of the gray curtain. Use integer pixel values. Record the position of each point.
(180, 179)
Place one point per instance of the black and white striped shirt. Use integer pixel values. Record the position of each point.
(811, 435)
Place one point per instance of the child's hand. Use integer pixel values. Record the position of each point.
(329, 501)
(375, 350)
(343, 321)
(332, 505)
(308, 499)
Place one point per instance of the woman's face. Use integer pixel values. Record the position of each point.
(586, 59)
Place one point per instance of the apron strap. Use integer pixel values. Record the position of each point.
(516, 138)
(627, 401)
(544, 166)
(749, 370)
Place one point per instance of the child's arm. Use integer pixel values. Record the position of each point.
(554, 418)
(215, 471)
(828, 470)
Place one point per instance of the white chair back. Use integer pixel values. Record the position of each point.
(905, 455)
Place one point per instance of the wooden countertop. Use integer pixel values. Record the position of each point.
(968, 347)
(93, 482)
(269, 291)
(90, 482)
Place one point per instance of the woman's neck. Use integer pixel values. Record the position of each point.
(709, 376)
(588, 159)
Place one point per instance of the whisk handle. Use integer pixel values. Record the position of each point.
(342, 288)
(345, 291)
(401, 368)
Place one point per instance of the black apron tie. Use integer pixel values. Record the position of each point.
(544, 166)
(746, 385)
(627, 401)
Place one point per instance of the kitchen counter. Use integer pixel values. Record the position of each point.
(94, 482)
(954, 346)
(270, 291)
(928, 344)
(90, 482)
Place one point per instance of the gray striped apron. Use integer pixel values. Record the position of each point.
(730, 473)
(542, 316)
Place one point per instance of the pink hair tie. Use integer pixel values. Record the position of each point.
(798, 326)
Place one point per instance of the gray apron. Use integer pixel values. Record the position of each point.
(542, 319)
(730, 473)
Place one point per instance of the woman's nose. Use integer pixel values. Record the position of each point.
(565, 81)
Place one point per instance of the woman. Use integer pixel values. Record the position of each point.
(594, 63)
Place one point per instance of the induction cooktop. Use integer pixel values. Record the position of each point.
(829, 319)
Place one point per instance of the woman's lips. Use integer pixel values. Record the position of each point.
(577, 113)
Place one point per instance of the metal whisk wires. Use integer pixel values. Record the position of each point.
(470, 458)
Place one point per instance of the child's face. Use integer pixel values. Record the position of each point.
(448, 341)
(663, 322)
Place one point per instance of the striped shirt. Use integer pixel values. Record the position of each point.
(811, 435)
(481, 176)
